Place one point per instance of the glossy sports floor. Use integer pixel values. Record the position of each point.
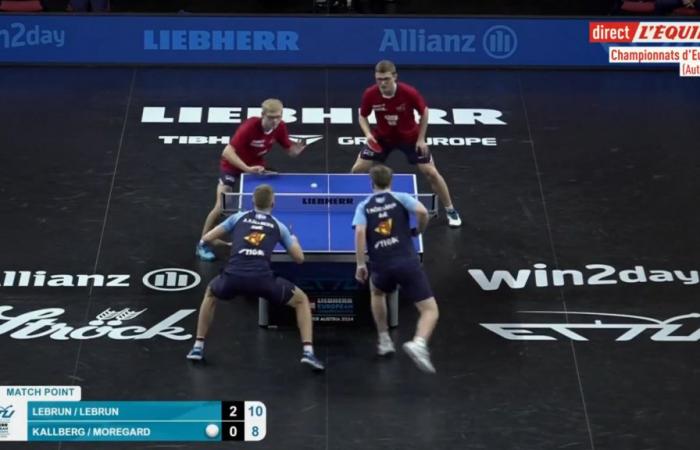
(583, 206)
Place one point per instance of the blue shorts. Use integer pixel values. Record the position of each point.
(275, 289)
(229, 179)
(409, 275)
(409, 150)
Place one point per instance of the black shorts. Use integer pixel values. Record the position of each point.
(409, 150)
(227, 178)
(409, 275)
(275, 289)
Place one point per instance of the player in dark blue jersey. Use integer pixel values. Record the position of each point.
(383, 229)
(254, 235)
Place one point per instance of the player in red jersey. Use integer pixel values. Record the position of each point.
(393, 104)
(245, 153)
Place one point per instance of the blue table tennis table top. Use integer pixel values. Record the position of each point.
(330, 231)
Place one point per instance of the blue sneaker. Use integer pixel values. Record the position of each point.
(310, 359)
(204, 252)
(196, 354)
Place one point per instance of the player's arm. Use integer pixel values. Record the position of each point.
(422, 217)
(423, 125)
(417, 208)
(292, 148)
(232, 157)
(291, 243)
(360, 248)
(214, 234)
(365, 110)
(213, 237)
(359, 222)
(295, 250)
(424, 111)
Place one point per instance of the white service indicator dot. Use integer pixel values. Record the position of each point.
(212, 430)
(314, 185)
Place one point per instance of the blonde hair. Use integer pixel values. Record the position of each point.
(384, 66)
(263, 196)
(381, 176)
(272, 105)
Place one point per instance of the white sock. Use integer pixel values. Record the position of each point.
(309, 348)
(420, 341)
(199, 343)
(384, 336)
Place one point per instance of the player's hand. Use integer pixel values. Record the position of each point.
(222, 243)
(415, 232)
(256, 169)
(422, 148)
(297, 148)
(361, 274)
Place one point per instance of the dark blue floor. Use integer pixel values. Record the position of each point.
(585, 204)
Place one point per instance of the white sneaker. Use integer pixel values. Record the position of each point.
(420, 355)
(453, 219)
(385, 347)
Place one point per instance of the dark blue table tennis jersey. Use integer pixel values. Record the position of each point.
(386, 216)
(254, 236)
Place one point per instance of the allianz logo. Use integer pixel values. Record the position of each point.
(167, 279)
(594, 274)
(112, 324)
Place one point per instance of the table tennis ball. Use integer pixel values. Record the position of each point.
(212, 430)
(314, 185)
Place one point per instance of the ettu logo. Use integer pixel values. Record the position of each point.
(384, 227)
(255, 238)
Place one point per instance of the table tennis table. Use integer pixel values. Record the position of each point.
(319, 209)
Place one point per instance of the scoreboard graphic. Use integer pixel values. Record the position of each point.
(57, 413)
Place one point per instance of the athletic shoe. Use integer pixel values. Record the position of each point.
(420, 355)
(310, 359)
(196, 354)
(385, 347)
(204, 252)
(453, 219)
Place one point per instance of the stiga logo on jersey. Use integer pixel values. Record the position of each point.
(384, 227)
(109, 323)
(255, 238)
(578, 326)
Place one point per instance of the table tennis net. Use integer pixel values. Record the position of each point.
(319, 202)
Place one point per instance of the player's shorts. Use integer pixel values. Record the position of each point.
(275, 289)
(228, 178)
(409, 275)
(409, 150)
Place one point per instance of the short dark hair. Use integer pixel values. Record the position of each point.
(381, 176)
(384, 66)
(263, 196)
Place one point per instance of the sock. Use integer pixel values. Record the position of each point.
(420, 341)
(199, 343)
(384, 336)
(449, 209)
(308, 347)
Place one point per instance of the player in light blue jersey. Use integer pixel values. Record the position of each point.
(382, 228)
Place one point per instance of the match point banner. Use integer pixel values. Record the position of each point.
(329, 41)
